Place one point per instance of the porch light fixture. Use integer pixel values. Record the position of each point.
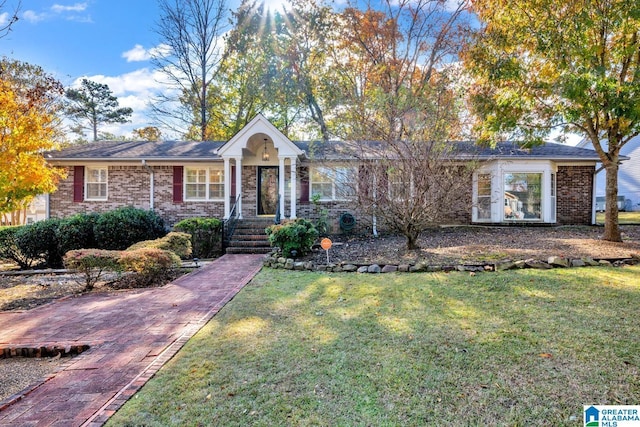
(265, 153)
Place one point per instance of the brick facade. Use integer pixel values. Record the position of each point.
(130, 186)
(574, 194)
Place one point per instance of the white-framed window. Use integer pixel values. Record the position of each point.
(522, 196)
(484, 197)
(203, 183)
(96, 179)
(333, 183)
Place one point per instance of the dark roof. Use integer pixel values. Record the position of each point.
(138, 150)
(333, 150)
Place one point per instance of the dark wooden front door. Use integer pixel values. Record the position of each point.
(267, 190)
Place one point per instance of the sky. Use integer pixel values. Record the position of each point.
(107, 41)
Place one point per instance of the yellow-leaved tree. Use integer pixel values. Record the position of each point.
(28, 127)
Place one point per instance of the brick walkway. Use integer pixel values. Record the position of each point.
(131, 334)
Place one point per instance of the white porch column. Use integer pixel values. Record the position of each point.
(294, 175)
(281, 177)
(239, 185)
(227, 188)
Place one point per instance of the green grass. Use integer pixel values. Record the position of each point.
(513, 348)
(623, 217)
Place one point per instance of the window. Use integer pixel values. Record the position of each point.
(333, 183)
(484, 197)
(96, 183)
(204, 184)
(522, 196)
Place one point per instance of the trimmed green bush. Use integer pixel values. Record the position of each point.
(206, 235)
(296, 235)
(76, 232)
(39, 242)
(151, 264)
(92, 263)
(178, 243)
(9, 249)
(121, 228)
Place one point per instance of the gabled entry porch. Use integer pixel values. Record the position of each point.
(259, 164)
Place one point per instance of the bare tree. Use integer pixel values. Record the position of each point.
(191, 35)
(9, 18)
(400, 90)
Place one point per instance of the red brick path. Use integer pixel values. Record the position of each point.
(131, 334)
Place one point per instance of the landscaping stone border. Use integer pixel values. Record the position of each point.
(275, 261)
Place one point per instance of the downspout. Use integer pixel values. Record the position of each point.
(374, 220)
(593, 194)
(151, 182)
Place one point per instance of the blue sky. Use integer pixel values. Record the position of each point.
(107, 41)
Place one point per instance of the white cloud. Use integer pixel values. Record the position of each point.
(33, 16)
(4, 18)
(78, 7)
(139, 53)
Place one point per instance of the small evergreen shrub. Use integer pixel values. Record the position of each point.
(76, 232)
(176, 242)
(92, 263)
(9, 249)
(152, 265)
(121, 228)
(296, 235)
(206, 235)
(39, 242)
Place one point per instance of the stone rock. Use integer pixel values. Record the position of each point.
(289, 264)
(299, 265)
(590, 262)
(504, 265)
(349, 268)
(389, 269)
(363, 269)
(282, 260)
(337, 269)
(557, 261)
(404, 268)
(604, 263)
(536, 263)
(434, 268)
(488, 268)
(577, 263)
(309, 266)
(374, 268)
(321, 267)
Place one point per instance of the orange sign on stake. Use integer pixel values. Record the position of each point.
(326, 245)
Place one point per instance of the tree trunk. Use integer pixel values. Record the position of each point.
(412, 240)
(611, 227)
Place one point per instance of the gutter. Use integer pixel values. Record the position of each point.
(151, 182)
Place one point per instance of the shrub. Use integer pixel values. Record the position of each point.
(206, 235)
(296, 235)
(92, 263)
(9, 249)
(152, 265)
(178, 243)
(39, 242)
(120, 228)
(76, 232)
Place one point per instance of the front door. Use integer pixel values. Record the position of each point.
(267, 190)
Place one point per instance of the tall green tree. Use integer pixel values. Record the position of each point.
(567, 64)
(94, 104)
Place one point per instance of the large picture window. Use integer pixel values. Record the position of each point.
(204, 183)
(96, 183)
(522, 196)
(333, 183)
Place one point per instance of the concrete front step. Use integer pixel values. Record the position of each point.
(249, 237)
(239, 250)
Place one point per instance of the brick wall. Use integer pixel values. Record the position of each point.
(130, 186)
(574, 194)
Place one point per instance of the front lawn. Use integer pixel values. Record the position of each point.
(623, 217)
(525, 347)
